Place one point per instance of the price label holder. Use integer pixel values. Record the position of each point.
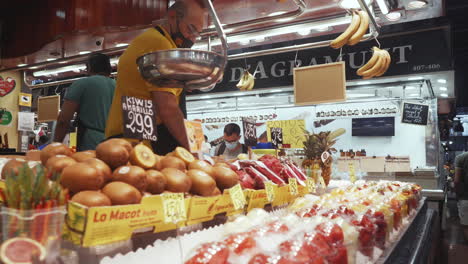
(174, 207)
(270, 191)
(250, 132)
(293, 188)
(237, 197)
(276, 136)
(322, 182)
(352, 172)
(139, 118)
(311, 187)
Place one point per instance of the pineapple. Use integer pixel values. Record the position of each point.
(315, 145)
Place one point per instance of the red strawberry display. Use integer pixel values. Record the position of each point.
(6, 85)
(241, 242)
(210, 253)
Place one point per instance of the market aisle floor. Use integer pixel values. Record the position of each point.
(454, 247)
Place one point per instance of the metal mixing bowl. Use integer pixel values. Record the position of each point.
(182, 68)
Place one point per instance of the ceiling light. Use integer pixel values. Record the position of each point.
(414, 94)
(443, 88)
(63, 62)
(393, 16)
(33, 68)
(359, 95)
(245, 41)
(51, 59)
(21, 65)
(323, 29)
(363, 83)
(84, 52)
(205, 97)
(383, 6)
(74, 68)
(442, 81)
(348, 4)
(416, 4)
(415, 78)
(121, 45)
(285, 19)
(259, 39)
(444, 95)
(304, 32)
(277, 13)
(410, 87)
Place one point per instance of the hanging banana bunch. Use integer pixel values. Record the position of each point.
(246, 82)
(355, 31)
(377, 65)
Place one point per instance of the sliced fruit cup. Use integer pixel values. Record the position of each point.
(41, 225)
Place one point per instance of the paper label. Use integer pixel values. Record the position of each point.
(174, 207)
(270, 191)
(322, 182)
(237, 197)
(325, 155)
(311, 187)
(293, 188)
(352, 172)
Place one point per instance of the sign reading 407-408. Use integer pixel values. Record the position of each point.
(139, 118)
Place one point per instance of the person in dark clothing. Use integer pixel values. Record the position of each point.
(230, 148)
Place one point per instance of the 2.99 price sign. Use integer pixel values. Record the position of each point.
(139, 118)
(250, 132)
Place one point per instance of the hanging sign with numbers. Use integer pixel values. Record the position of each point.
(311, 187)
(174, 207)
(276, 136)
(293, 188)
(250, 132)
(270, 191)
(139, 118)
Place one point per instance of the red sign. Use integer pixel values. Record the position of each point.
(6, 85)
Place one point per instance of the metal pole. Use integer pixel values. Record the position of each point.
(374, 24)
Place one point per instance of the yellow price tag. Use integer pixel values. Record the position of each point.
(311, 187)
(293, 189)
(237, 197)
(174, 207)
(322, 182)
(352, 172)
(270, 191)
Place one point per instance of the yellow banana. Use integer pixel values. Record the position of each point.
(363, 27)
(341, 40)
(250, 81)
(388, 60)
(370, 63)
(377, 66)
(242, 84)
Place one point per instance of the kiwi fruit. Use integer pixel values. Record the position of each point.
(91, 199)
(202, 183)
(33, 155)
(157, 164)
(156, 181)
(172, 162)
(201, 165)
(216, 191)
(221, 164)
(101, 167)
(114, 152)
(177, 181)
(57, 163)
(121, 193)
(184, 155)
(132, 175)
(81, 177)
(225, 178)
(84, 155)
(12, 166)
(54, 149)
(142, 156)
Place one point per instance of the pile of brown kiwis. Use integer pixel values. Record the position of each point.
(118, 173)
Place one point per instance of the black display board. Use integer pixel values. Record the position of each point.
(276, 136)
(415, 114)
(250, 132)
(139, 118)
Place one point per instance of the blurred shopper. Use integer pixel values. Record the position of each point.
(230, 148)
(91, 99)
(461, 188)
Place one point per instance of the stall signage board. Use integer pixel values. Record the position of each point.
(139, 118)
(250, 132)
(25, 99)
(415, 114)
(276, 136)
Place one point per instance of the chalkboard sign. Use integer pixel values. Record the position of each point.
(415, 114)
(250, 132)
(276, 136)
(139, 118)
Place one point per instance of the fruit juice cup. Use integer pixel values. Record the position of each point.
(44, 226)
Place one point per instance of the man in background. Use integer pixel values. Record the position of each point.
(230, 148)
(185, 21)
(461, 188)
(91, 99)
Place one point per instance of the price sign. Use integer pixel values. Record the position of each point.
(250, 132)
(276, 136)
(311, 187)
(237, 197)
(352, 172)
(174, 207)
(270, 191)
(293, 188)
(139, 118)
(415, 114)
(322, 182)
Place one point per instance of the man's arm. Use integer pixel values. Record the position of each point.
(171, 116)
(63, 121)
